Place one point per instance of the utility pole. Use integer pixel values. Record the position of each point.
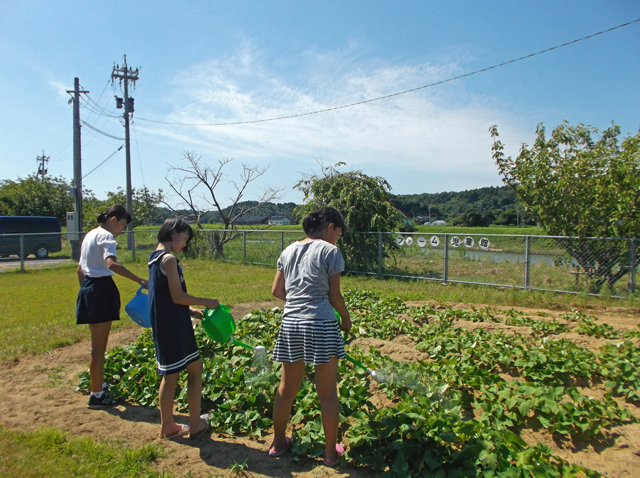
(76, 191)
(42, 167)
(126, 74)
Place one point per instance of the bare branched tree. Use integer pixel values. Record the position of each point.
(193, 176)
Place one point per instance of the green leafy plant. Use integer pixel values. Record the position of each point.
(238, 469)
(453, 414)
(588, 327)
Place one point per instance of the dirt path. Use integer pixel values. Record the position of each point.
(40, 391)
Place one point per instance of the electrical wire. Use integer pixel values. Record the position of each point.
(400, 92)
(18, 170)
(96, 103)
(101, 109)
(135, 138)
(103, 90)
(100, 131)
(103, 162)
(88, 133)
(97, 109)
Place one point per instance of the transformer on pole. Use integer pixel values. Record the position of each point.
(126, 74)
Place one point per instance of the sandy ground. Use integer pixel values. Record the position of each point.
(40, 391)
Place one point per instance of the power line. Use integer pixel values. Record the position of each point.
(135, 137)
(401, 92)
(100, 131)
(18, 170)
(103, 162)
(102, 109)
(97, 103)
(95, 108)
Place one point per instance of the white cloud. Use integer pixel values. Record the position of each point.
(60, 88)
(440, 133)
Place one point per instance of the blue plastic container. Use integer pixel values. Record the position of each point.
(138, 309)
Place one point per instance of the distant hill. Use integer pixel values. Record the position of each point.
(268, 209)
(475, 207)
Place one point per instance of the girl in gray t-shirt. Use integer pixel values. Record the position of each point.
(308, 280)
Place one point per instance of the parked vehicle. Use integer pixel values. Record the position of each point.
(407, 226)
(34, 240)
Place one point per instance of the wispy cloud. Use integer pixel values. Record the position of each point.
(440, 133)
(60, 88)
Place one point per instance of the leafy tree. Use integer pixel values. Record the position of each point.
(145, 211)
(470, 218)
(576, 185)
(506, 218)
(91, 207)
(144, 204)
(35, 196)
(193, 175)
(364, 202)
(451, 205)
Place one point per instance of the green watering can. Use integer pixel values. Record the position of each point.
(373, 373)
(219, 325)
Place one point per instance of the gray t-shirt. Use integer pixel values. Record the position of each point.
(307, 267)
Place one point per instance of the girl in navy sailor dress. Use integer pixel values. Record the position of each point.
(173, 337)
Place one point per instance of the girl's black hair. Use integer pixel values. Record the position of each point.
(319, 220)
(117, 211)
(174, 225)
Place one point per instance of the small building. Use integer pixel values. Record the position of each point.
(279, 221)
(250, 220)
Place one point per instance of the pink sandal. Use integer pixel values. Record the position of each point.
(274, 453)
(336, 462)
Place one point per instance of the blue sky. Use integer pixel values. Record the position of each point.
(234, 61)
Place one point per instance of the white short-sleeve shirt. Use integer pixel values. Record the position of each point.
(97, 245)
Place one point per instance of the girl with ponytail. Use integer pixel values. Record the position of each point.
(98, 302)
(308, 280)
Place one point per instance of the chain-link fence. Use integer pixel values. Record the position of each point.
(594, 266)
(15, 249)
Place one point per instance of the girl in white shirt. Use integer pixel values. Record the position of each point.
(98, 302)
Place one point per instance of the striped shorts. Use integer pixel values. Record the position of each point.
(311, 341)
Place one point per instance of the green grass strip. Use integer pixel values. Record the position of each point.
(37, 308)
(50, 452)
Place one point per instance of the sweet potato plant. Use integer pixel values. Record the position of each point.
(453, 415)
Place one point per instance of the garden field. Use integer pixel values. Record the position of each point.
(540, 387)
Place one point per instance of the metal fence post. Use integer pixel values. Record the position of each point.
(244, 246)
(445, 263)
(379, 253)
(211, 242)
(21, 252)
(281, 241)
(133, 245)
(632, 266)
(527, 245)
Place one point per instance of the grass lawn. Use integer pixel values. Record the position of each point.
(49, 452)
(37, 308)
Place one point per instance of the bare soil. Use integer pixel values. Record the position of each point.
(40, 391)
